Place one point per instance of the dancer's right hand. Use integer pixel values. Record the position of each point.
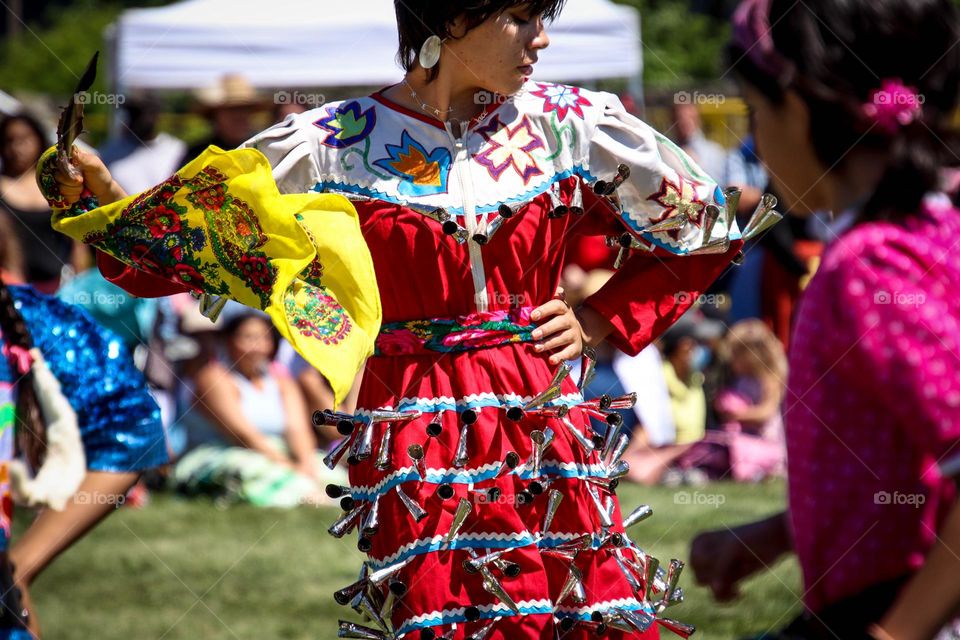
(721, 559)
(94, 176)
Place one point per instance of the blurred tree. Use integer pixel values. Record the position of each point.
(48, 53)
(680, 47)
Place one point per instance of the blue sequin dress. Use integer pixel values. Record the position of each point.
(119, 421)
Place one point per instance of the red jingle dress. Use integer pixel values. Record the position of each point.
(456, 343)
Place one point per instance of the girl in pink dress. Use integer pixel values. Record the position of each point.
(850, 102)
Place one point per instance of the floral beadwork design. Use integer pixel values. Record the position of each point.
(561, 99)
(422, 172)
(347, 125)
(317, 314)
(507, 147)
(155, 233)
(679, 199)
(450, 335)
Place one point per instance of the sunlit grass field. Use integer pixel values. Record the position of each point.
(185, 570)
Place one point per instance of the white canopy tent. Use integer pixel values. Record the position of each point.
(318, 43)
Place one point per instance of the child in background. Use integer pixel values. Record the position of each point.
(748, 409)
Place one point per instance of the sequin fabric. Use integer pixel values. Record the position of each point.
(119, 421)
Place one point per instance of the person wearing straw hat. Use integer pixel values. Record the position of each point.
(229, 106)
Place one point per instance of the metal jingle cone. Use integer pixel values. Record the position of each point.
(348, 593)
(383, 452)
(435, 427)
(565, 625)
(626, 401)
(557, 208)
(768, 220)
(579, 595)
(672, 223)
(354, 630)
(640, 621)
(380, 576)
(614, 620)
(623, 443)
(509, 569)
(344, 422)
(362, 447)
(674, 569)
(417, 456)
(618, 470)
(711, 215)
(578, 544)
(622, 256)
(416, 511)
(552, 392)
(557, 411)
(574, 576)
(384, 415)
(712, 248)
(515, 414)
(610, 437)
(676, 597)
(447, 223)
(510, 462)
(345, 523)
(483, 633)
(628, 574)
(364, 544)
(605, 520)
(566, 555)
(335, 491)
(610, 506)
(607, 188)
(585, 443)
(536, 455)
(445, 491)
(553, 504)
(371, 523)
(211, 307)
(763, 217)
(459, 517)
(576, 200)
(605, 483)
(681, 629)
(588, 367)
(494, 225)
(389, 604)
(653, 566)
(365, 606)
(492, 586)
(462, 456)
(475, 563)
(732, 197)
(331, 459)
(637, 516)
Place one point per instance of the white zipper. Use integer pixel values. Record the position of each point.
(471, 221)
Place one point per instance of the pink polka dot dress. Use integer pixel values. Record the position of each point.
(873, 406)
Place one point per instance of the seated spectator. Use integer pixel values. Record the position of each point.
(46, 252)
(248, 432)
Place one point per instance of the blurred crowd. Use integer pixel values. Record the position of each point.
(236, 400)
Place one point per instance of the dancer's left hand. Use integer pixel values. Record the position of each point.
(561, 334)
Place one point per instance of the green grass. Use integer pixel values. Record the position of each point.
(183, 570)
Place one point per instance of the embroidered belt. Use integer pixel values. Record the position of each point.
(453, 335)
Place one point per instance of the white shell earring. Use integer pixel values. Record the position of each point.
(430, 52)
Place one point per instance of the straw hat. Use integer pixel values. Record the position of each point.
(232, 90)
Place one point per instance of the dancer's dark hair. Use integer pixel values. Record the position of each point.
(417, 20)
(835, 54)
